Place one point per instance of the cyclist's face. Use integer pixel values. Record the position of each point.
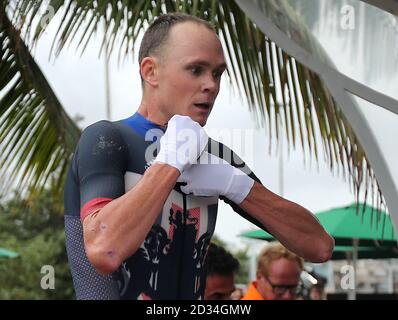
(189, 72)
(279, 284)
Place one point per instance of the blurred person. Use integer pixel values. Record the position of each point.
(237, 294)
(140, 208)
(317, 291)
(221, 269)
(278, 275)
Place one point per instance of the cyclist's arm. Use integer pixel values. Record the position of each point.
(115, 223)
(117, 230)
(294, 226)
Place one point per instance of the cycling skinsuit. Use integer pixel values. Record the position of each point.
(111, 157)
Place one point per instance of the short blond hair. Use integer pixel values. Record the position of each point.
(275, 251)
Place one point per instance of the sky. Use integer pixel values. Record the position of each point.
(79, 82)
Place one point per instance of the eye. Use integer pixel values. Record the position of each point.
(217, 74)
(195, 70)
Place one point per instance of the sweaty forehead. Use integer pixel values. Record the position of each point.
(188, 29)
(192, 38)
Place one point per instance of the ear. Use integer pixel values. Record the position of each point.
(149, 71)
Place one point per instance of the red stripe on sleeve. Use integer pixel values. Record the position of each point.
(93, 205)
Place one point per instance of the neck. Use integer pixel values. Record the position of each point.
(152, 112)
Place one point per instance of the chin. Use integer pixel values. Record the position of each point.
(200, 119)
(203, 122)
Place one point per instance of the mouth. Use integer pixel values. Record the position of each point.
(204, 105)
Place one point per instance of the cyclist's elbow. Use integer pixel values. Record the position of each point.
(103, 259)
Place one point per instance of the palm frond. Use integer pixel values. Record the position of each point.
(276, 88)
(37, 137)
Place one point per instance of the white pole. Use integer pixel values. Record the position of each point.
(107, 83)
(352, 295)
(280, 176)
(107, 89)
(253, 267)
(390, 279)
(331, 278)
(348, 255)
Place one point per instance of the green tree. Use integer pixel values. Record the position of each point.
(241, 255)
(34, 228)
(37, 137)
(243, 274)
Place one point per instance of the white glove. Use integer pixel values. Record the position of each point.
(213, 176)
(183, 143)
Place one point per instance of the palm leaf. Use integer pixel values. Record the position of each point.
(37, 137)
(277, 88)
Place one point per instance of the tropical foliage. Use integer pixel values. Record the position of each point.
(37, 137)
(34, 229)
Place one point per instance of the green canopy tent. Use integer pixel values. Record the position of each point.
(380, 250)
(369, 227)
(360, 233)
(4, 253)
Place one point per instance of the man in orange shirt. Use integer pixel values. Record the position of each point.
(278, 275)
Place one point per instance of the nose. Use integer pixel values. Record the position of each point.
(210, 84)
(287, 295)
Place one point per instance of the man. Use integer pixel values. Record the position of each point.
(132, 231)
(221, 269)
(278, 275)
(317, 291)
